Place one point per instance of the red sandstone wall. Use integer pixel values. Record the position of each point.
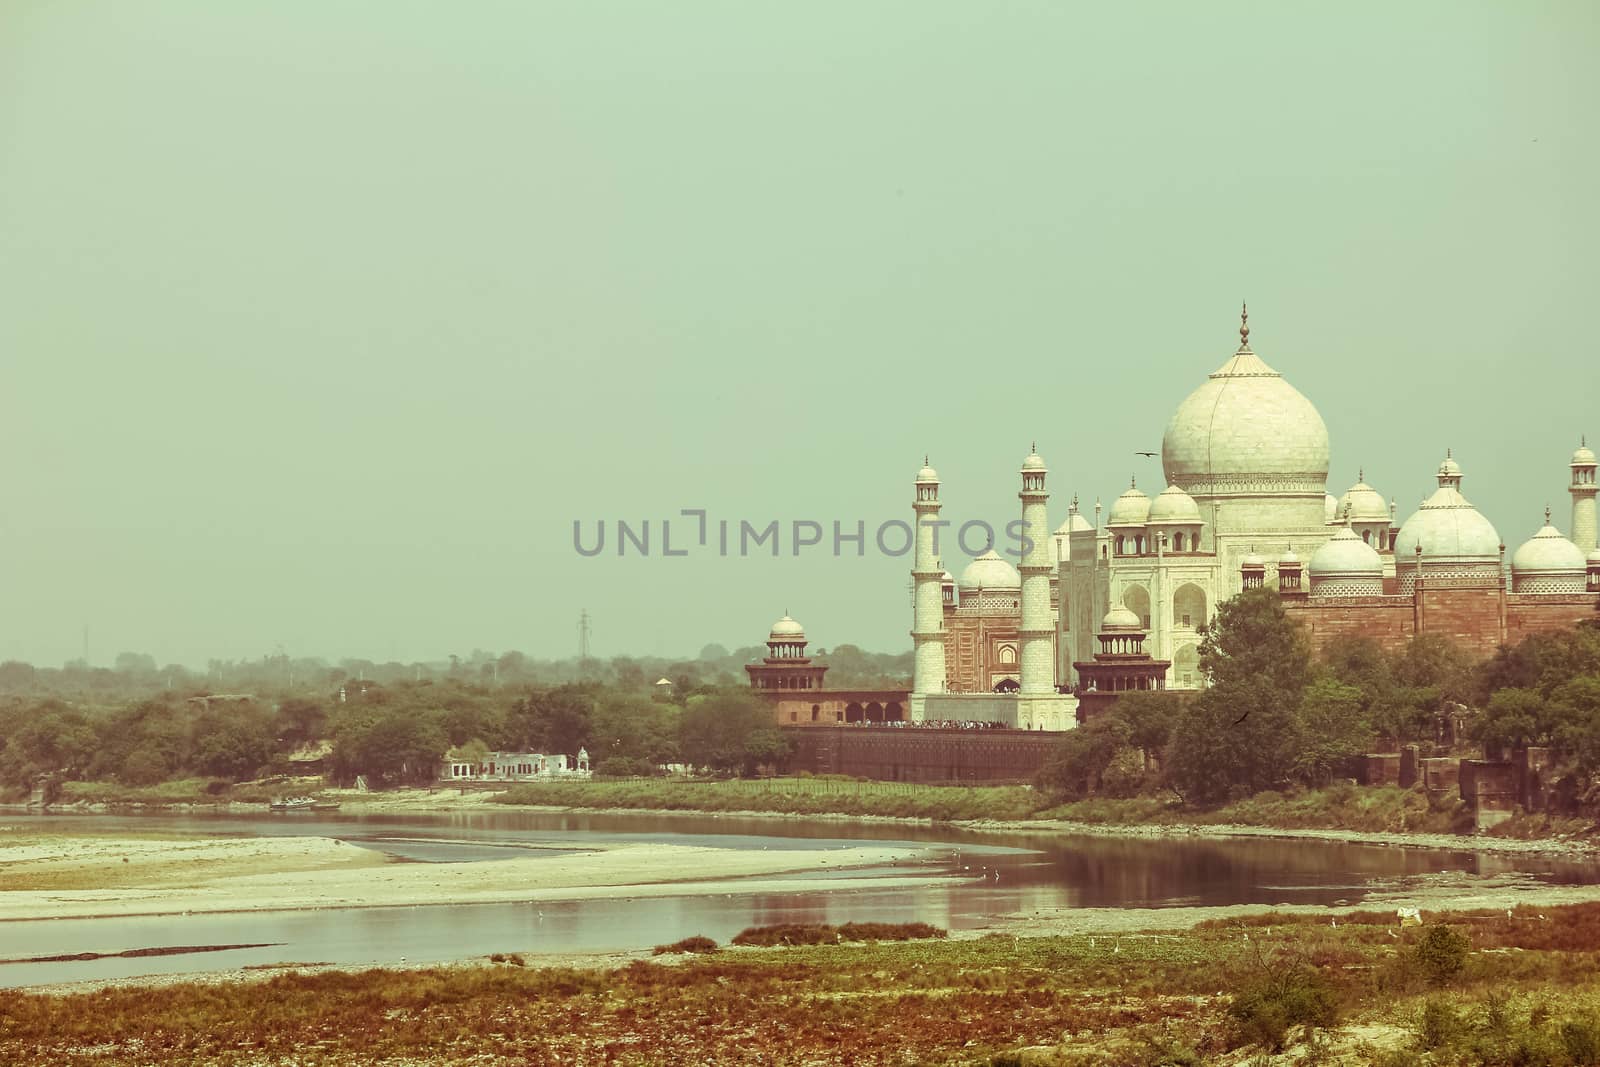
(918, 754)
(1468, 614)
(1527, 614)
(1390, 621)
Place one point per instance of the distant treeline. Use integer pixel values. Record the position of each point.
(137, 675)
(391, 735)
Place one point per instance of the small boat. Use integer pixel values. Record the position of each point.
(291, 804)
(324, 805)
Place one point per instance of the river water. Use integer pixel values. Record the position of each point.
(995, 875)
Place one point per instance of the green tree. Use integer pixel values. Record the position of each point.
(1332, 729)
(300, 720)
(552, 721)
(1251, 640)
(1243, 733)
(730, 730)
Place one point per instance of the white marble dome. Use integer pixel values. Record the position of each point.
(1246, 430)
(1345, 555)
(927, 474)
(1447, 527)
(1548, 562)
(1132, 508)
(1173, 505)
(1033, 463)
(786, 629)
(990, 571)
(1447, 537)
(1584, 456)
(1362, 503)
(1289, 558)
(1120, 618)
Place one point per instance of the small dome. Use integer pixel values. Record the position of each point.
(1132, 508)
(1447, 527)
(1362, 503)
(1289, 559)
(1253, 560)
(1584, 456)
(927, 473)
(989, 571)
(1074, 523)
(1033, 462)
(1346, 555)
(1175, 506)
(786, 629)
(1120, 618)
(947, 578)
(1594, 556)
(1547, 552)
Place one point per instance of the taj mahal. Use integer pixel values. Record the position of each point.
(1097, 607)
(1117, 603)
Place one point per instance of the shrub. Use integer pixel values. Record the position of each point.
(1441, 954)
(1264, 1010)
(697, 943)
(1581, 1040)
(821, 934)
(1438, 1024)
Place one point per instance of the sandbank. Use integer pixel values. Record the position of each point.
(88, 876)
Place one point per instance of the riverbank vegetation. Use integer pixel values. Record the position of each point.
(1479, 988)
(1272, 719)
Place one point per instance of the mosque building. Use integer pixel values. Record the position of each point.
(1246, 459)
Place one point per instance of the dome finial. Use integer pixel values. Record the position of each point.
(1361, 474)
(1547, 514)
(925, 462)
(1034, 447)
(1133, 481)
(1244, 325)
(1449, 453)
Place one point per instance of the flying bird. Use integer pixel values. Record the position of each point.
(1147, 453)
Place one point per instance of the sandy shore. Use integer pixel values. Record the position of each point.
(47, 877)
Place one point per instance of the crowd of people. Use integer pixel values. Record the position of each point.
(942, 724)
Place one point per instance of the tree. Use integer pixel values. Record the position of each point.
(232, 746)
(390, 747)
(1081, 757)
(1252, 640)
(300, 721)
(1332, 729)
(1243, 733)
(730, 730)
(556, 720)
(1234, 739)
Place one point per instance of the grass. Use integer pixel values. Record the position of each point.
(1528, 991)
(793, 796)
(697, 943)
(822, 934)
(192, 791)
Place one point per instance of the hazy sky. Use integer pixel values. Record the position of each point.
(322, 322)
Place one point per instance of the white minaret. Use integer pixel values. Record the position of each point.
(1583, 488)
(927, 619)
(1036, 631)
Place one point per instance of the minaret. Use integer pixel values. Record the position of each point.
(927, 622)
(1036, 631)
(1583, 489)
